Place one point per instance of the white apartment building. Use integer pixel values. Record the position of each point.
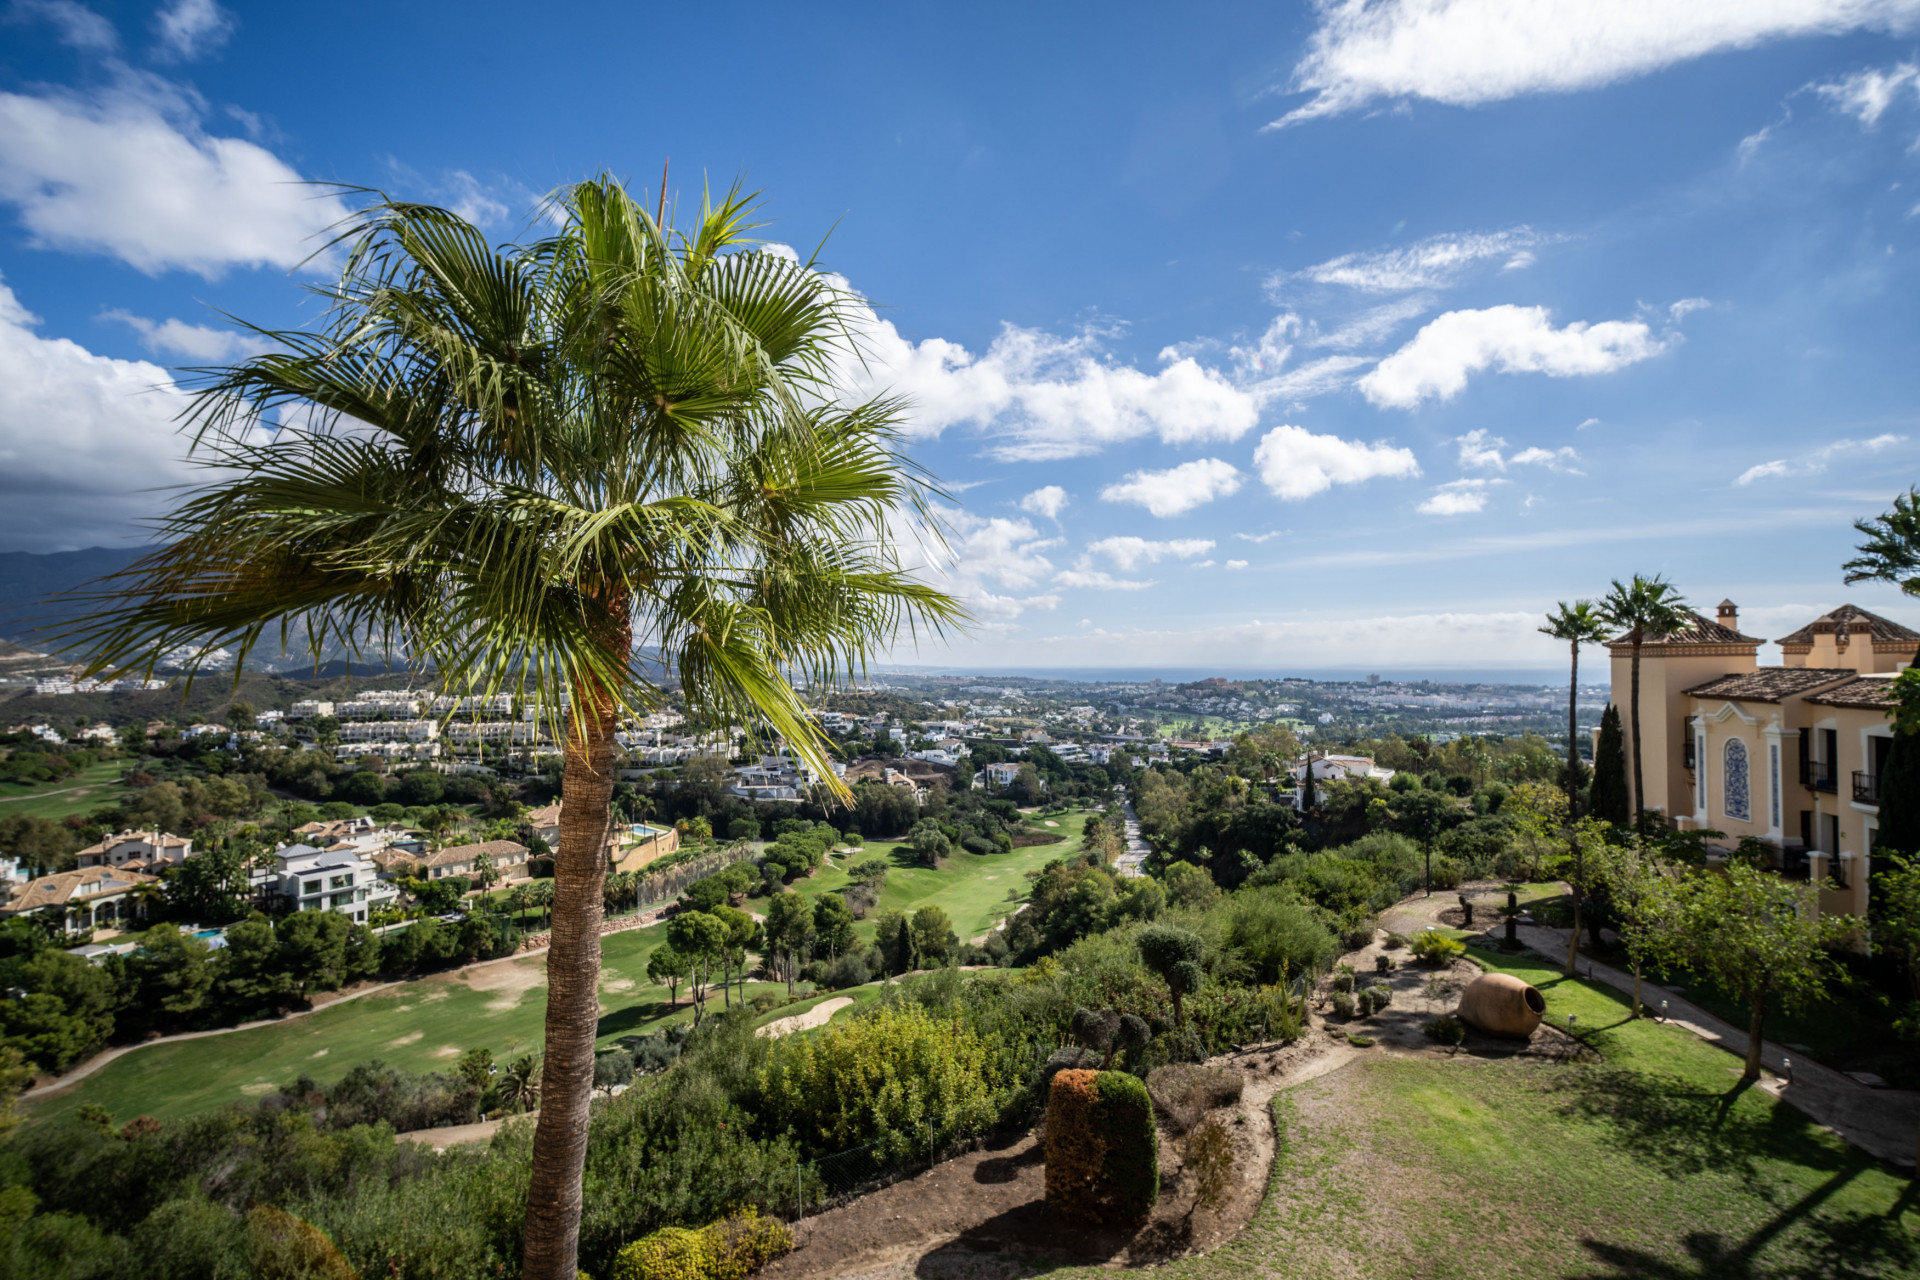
(388, 750)
(391, 731)
(137, 851)
(499, 704)
(492, 733)
(309, 709)
(337, 879)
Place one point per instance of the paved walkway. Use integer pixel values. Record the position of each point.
(1130, 862)
(1882, 1122)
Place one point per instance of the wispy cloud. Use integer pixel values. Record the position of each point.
(1466, 52)
(1811, 464)
(1432, 263)
(1458, 498)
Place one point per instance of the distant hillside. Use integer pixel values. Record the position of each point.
(28, 581)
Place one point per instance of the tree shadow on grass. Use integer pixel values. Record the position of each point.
(632, 1017)
(1797, 1243)
(1685, 1128)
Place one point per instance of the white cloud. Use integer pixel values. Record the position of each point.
(1258, 538)
(1099, 580)
(1048, 500)
(191, 341)
(1458, 498)
(189, 29)
(78, 25)
(1561, 459)
(1866, 95)
(1177, 489)
(1433, 263)
(1047, 397)
(1129, 552)
(84, 439)
(1295, 463)
(1465, 52)
(1371, 326)
(986, 561)
(1236, 564)
(1511, 339)
(1312, 379)
(1765, 470)
(1480, 450)
(1812, 464)
(133, 174)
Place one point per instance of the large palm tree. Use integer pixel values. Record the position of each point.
(590, 465)
(1644, 608)
(1891, 552)
(1577, 623)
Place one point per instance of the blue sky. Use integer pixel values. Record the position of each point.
(1248, 337)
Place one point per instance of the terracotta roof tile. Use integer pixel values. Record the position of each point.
(1703, 631)
(1770, 684)
(1867, 691)
(1855, 620)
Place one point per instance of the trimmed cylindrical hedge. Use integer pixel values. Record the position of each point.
(1103, 1155)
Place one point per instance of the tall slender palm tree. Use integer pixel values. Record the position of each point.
(1644, 608)
(1891, 552)
(586, 466)
(1577, 623)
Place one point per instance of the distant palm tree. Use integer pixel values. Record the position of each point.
(518, 899)
(1577, 623)
(1891, 552)
(1644, 608)
(520, 1082)
(523, 467)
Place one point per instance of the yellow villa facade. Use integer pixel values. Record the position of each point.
(1789, 755)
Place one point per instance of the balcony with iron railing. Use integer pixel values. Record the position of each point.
(1866, 788)
(1818, 775)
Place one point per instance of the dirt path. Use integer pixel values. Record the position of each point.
(814, 1017)
(63, 791)
(455, 1135)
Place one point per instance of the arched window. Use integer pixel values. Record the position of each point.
(1733, 800)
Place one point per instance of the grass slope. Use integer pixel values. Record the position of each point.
(977, 891)
(1652, 1164)
(94, 787)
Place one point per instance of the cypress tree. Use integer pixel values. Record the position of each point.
(1900, 798)
(1608, 799)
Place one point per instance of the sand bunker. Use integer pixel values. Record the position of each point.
(410, 1038)
(814, 1017)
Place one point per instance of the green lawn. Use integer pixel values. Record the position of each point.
(976, 891)
(1652, 1163)
(94, 787)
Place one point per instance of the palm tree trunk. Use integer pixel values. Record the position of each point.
(1636, 986)
(573, 996)
(1639, 809)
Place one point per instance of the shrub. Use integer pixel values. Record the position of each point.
(1356, 935)
(746, 1242)
(1383, 964)
(1446, 874)
(1395, 941)
(1430, 946)
(1364, 1003)
(1185, 1092)
(1209, 1155)
(887, 1077)
(1343, 978)
(1360, 1041)
(847, 971)
(672, 1253)
(287, 1248)
(1382, 995)
(1103, 1158)
(1275, 931)
(1344, 1003)
(1447, 1030)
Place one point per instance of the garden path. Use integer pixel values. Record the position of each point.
(1882, 1122)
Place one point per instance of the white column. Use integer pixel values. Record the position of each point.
(1698, 727)
(1776, 801)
